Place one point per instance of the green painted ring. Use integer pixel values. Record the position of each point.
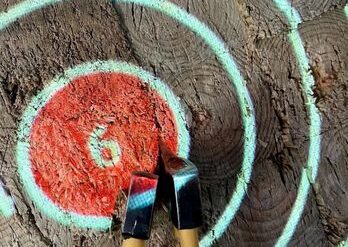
(34, 108)
(309, 173)
(7, 207)
(222, 53)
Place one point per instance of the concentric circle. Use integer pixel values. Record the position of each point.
(222, 53)
(309, 173)
(52, 111)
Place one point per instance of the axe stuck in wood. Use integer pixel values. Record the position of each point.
(181, 189)
(140, 206)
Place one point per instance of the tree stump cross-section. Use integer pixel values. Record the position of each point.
(255, 93)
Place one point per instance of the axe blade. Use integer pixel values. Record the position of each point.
(140, 205)
(186, 206)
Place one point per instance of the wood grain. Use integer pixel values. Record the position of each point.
(275, 148)
(314, 8)
(45, 43)
(201, 82)
(34, 50)
(327, 58)
(327, 43)
(266, 20)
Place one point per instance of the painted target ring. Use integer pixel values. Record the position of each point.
(309, 173)
(222, 53)
(100, 124)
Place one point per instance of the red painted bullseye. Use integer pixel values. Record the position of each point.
(133, 116)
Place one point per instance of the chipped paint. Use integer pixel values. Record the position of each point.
(7, 207)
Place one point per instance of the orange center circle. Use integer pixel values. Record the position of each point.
(133, 116)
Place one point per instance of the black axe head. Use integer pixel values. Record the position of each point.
(140, 205)
(184, 190)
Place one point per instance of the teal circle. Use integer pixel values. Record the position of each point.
(7, 207)
(310, 171)
(222, 53)
(58, 83)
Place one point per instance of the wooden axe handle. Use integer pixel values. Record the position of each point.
(187, 237)
(133, 242)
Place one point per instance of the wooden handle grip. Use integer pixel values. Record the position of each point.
(133, 242)
(187, 238)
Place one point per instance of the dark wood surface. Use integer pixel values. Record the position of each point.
(43, 44)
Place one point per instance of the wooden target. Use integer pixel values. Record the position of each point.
(254, 93)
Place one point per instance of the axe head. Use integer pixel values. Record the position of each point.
(140, 205)
(184, 191)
